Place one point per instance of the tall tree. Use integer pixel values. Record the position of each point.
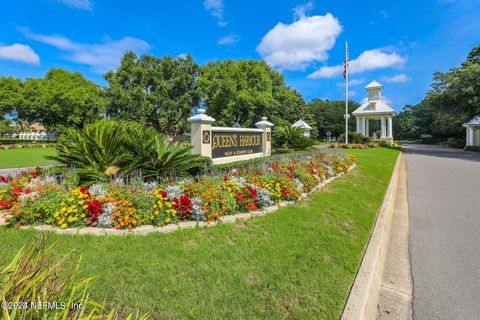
(248, 90)
(329, 116)
(413, 122)
(455, 96)
(10, 94)
(61, 99)
(158, 92)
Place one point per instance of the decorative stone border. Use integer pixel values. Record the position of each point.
(145, 229)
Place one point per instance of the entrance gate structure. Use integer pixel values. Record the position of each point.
(375, 108)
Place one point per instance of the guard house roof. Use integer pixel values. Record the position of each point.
(475, 121)
(373, 84)
(302, 125)
(373, 107)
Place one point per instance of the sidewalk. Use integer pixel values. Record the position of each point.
(395, 297)
(383, 285)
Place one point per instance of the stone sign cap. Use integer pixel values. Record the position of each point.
(201, 117)
(264, 123)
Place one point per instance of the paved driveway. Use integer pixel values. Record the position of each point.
(444, 203)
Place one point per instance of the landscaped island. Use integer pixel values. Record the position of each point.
(39, 198)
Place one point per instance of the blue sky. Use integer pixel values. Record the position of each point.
(398, 43)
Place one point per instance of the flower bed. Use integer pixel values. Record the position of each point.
(33, 198)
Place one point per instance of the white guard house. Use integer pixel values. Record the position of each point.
(304, 126)
(375, 109)
(473, 131)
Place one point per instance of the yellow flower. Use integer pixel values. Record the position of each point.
(167, 220)
(63, 226)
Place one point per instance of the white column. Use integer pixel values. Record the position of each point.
(358, 125)
(267, 136)
(390, 132)
(382, 127)
(367, 127)
(201, 133)
(467, 137)
(471, 137)
(363, 126)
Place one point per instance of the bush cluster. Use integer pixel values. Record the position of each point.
(108, 149)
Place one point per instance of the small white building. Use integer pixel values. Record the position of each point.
(375, 108)
(473, 131)
(304, 126)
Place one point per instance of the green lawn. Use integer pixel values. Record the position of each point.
(16, 158)
(297, 263)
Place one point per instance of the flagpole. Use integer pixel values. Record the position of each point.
(346, 93)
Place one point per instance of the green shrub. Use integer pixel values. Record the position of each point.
(473, 148)
(93, 150)
(354, 137)
(290, 138)
(455, 142)
(105, 149)
(152, 154)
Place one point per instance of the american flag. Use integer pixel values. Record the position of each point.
(345, 63)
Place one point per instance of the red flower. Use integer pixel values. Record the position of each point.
(253, 192)
(4, 204)
(184, 205)
(33, 174)
(84, 190)
(94, 209)
(252, 206)
(224, 178)
(239, 197)
(286, 192)
(164, 194)
(5, 179)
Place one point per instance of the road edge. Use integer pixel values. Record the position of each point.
(364, 294)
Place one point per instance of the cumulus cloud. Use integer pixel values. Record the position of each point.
(397, 78)
(215, 7)
(100, 57)
(78, 4)
(230, 39)
(294, 46)
(368, 60)
(20, 53)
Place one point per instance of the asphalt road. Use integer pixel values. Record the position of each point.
(444, 203)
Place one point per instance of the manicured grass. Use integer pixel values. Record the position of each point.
(30, 157)
(296, 263)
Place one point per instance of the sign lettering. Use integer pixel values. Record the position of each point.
(227, 144)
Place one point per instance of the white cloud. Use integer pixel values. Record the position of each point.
(100, 57)
(230, 39)
(397, 78)
(78, 4)
(368, 60)
(294, 46)
(301, 11)
(20, 53)
(215, 7)
(352, 93)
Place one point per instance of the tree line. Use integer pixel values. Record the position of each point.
(453, 100)
(157, 92)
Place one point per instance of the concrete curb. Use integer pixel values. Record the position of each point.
(363, 297)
